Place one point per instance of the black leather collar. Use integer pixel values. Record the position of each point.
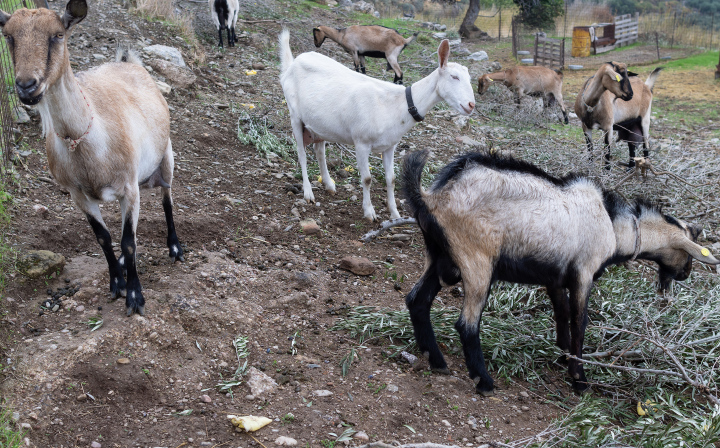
(411, 106)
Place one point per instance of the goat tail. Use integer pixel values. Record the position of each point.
(650, 82)
(411, 38)
(560, 73)
(124, 53)
(413, 166)
(286, 57)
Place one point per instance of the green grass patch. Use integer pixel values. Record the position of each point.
(709, 59)
(9, 438)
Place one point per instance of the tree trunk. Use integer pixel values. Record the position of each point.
(468, 28)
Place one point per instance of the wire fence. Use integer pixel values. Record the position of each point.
(8, 96)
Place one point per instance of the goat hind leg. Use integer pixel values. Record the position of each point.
(166, 169)
(389, 166)
(362, 153)
(477, 289)
(298, 132)
(326, 179)
(130, 207)
(419, 301)
(561, 311)
(579, 295)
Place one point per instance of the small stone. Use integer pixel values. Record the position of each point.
(168, 53)
(153, 335)
(258, 66)
(446, 423)
(357, 265)
(525, 408)
(392, 388)
(20, 116)
(80, 309)
(322, 393)
(81, 397)
(400, 237)
(165, 89)
(99, 57)
(205, 399)
(42, 211)
(96, 445)
(478, 56)
(259, 383)
(26, 426)
(524, 394)
(285, 441)
(33, 416)
(309, 226)
(123, 361)
(409, 357)
(16, 416)
(361, 436)
(313, 366)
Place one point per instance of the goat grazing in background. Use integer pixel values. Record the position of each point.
(367, 40)
(596, 105)
(107, 132)
(225, 15)
(490, 218)
(329, 102)
(535, 81)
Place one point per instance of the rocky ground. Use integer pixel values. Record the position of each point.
(250, 270)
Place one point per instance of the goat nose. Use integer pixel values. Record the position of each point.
(471, 105)
(26, 84)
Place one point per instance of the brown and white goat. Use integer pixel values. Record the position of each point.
(490, 218)
(107, 132)
(374, 41)
(534, 81)
(596, 106)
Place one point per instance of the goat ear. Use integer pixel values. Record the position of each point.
(75, 12)
(632, 74)
(697, 252)
(4, 17)
(444, 53)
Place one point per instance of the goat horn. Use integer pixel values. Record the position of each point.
(698, 252)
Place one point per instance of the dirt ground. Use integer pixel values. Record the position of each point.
(249, 271)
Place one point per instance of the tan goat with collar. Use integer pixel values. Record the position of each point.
(107, 132)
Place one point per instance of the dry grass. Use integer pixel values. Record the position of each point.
(164, 10)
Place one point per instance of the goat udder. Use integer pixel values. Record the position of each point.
(309, 137)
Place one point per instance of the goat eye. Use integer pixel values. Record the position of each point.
(455, 77)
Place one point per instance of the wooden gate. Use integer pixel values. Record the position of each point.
(549, 52)
(626, 29)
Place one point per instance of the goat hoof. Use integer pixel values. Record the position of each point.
(140, 310)
(178, 258)
(580, 387)
(441, 370)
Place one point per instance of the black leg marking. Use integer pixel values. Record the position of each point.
(117, 282)
(220, 37)
(608, 157)
(398, 79)
(362, 68)
(419, 302)
(578, 323)
(470, 338)
(561, 311)
(176, 252)
(134, 301)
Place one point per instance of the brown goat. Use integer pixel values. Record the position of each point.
(367, 40)
(534, 81)
(107, 132)
(596, 106)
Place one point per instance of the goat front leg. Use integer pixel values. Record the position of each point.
(130, 208)
(356, 61)
(419, 302)
(94, 217)
(362, 153)
(388, 164)
(608, 156)
(298, 132)
(326, 179)
(578, 304)
(477, 289)
(220, 37)
(561, 311)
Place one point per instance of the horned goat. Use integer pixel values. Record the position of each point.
(373, 41)
(596, 107)
(225, 15)
(534, 81)
(490, 218)
(107, 132)
(329, 102)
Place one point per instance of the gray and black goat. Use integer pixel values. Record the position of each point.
(225, 15)
(489, 218)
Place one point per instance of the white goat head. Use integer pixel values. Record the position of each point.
(453, 84)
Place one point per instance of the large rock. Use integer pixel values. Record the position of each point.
(40, 263)
(478, 56)
(168, 53)
(364, 7)
(259, 383)
(20, 116)
(357, 265)
(177, 76)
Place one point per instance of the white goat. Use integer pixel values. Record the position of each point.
(329, 102)
(107, 132)
(225, 15)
